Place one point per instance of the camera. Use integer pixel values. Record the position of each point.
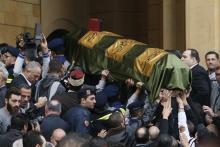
(3, 48)
(26, 41)
(36, 120)
(29, 43)
(34, 115)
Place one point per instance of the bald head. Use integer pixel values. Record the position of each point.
(141, 135)
(57, 135)
(153, 132)
(53, 107)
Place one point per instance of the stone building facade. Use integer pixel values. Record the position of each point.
(168, 24)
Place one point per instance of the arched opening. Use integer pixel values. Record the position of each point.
(59, 33)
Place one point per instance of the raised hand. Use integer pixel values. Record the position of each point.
(43, 44)
(129, 82)
(105, 73)
(208, 111)
(167, 109)
(102, 133)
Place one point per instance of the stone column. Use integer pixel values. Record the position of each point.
(174, 24)
(203, 26)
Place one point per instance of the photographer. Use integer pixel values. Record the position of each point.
(21, 57)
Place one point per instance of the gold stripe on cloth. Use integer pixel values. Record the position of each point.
(91, 38)
(117, 50)
(144, 62)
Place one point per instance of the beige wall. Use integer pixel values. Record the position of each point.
(17, 16)
(154, 22)
(203, 25)
(140, 20)
(63, 14)
(169, 24)
(174, 24)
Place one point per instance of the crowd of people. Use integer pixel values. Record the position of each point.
(45, 101)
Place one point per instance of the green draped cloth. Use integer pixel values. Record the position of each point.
(126, 58)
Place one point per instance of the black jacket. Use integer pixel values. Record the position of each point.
(119, 136)
(52, 122)
(18, 81)
(7, 139)
(67, 100)
(200, 86)
(44, 86)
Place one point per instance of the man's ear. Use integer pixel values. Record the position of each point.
(83, 100)
(194, 60)
(37, 145)
(6, 101)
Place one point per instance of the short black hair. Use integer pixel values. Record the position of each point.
(32, 138)
(12, 90)
(18, 121)
(164, 140)
(212, 52)
(98, 142)
(55, 66)
(195, 54)
(115, 120)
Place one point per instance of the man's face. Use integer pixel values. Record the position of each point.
(34, 75)
(211, 62)
(25, 96)
(9, 59)
(187, 59)
(89, 102)
(13, 104)
(217, 73)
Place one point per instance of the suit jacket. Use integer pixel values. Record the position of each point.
(52, 122)
(18, 81)
(200, 86)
